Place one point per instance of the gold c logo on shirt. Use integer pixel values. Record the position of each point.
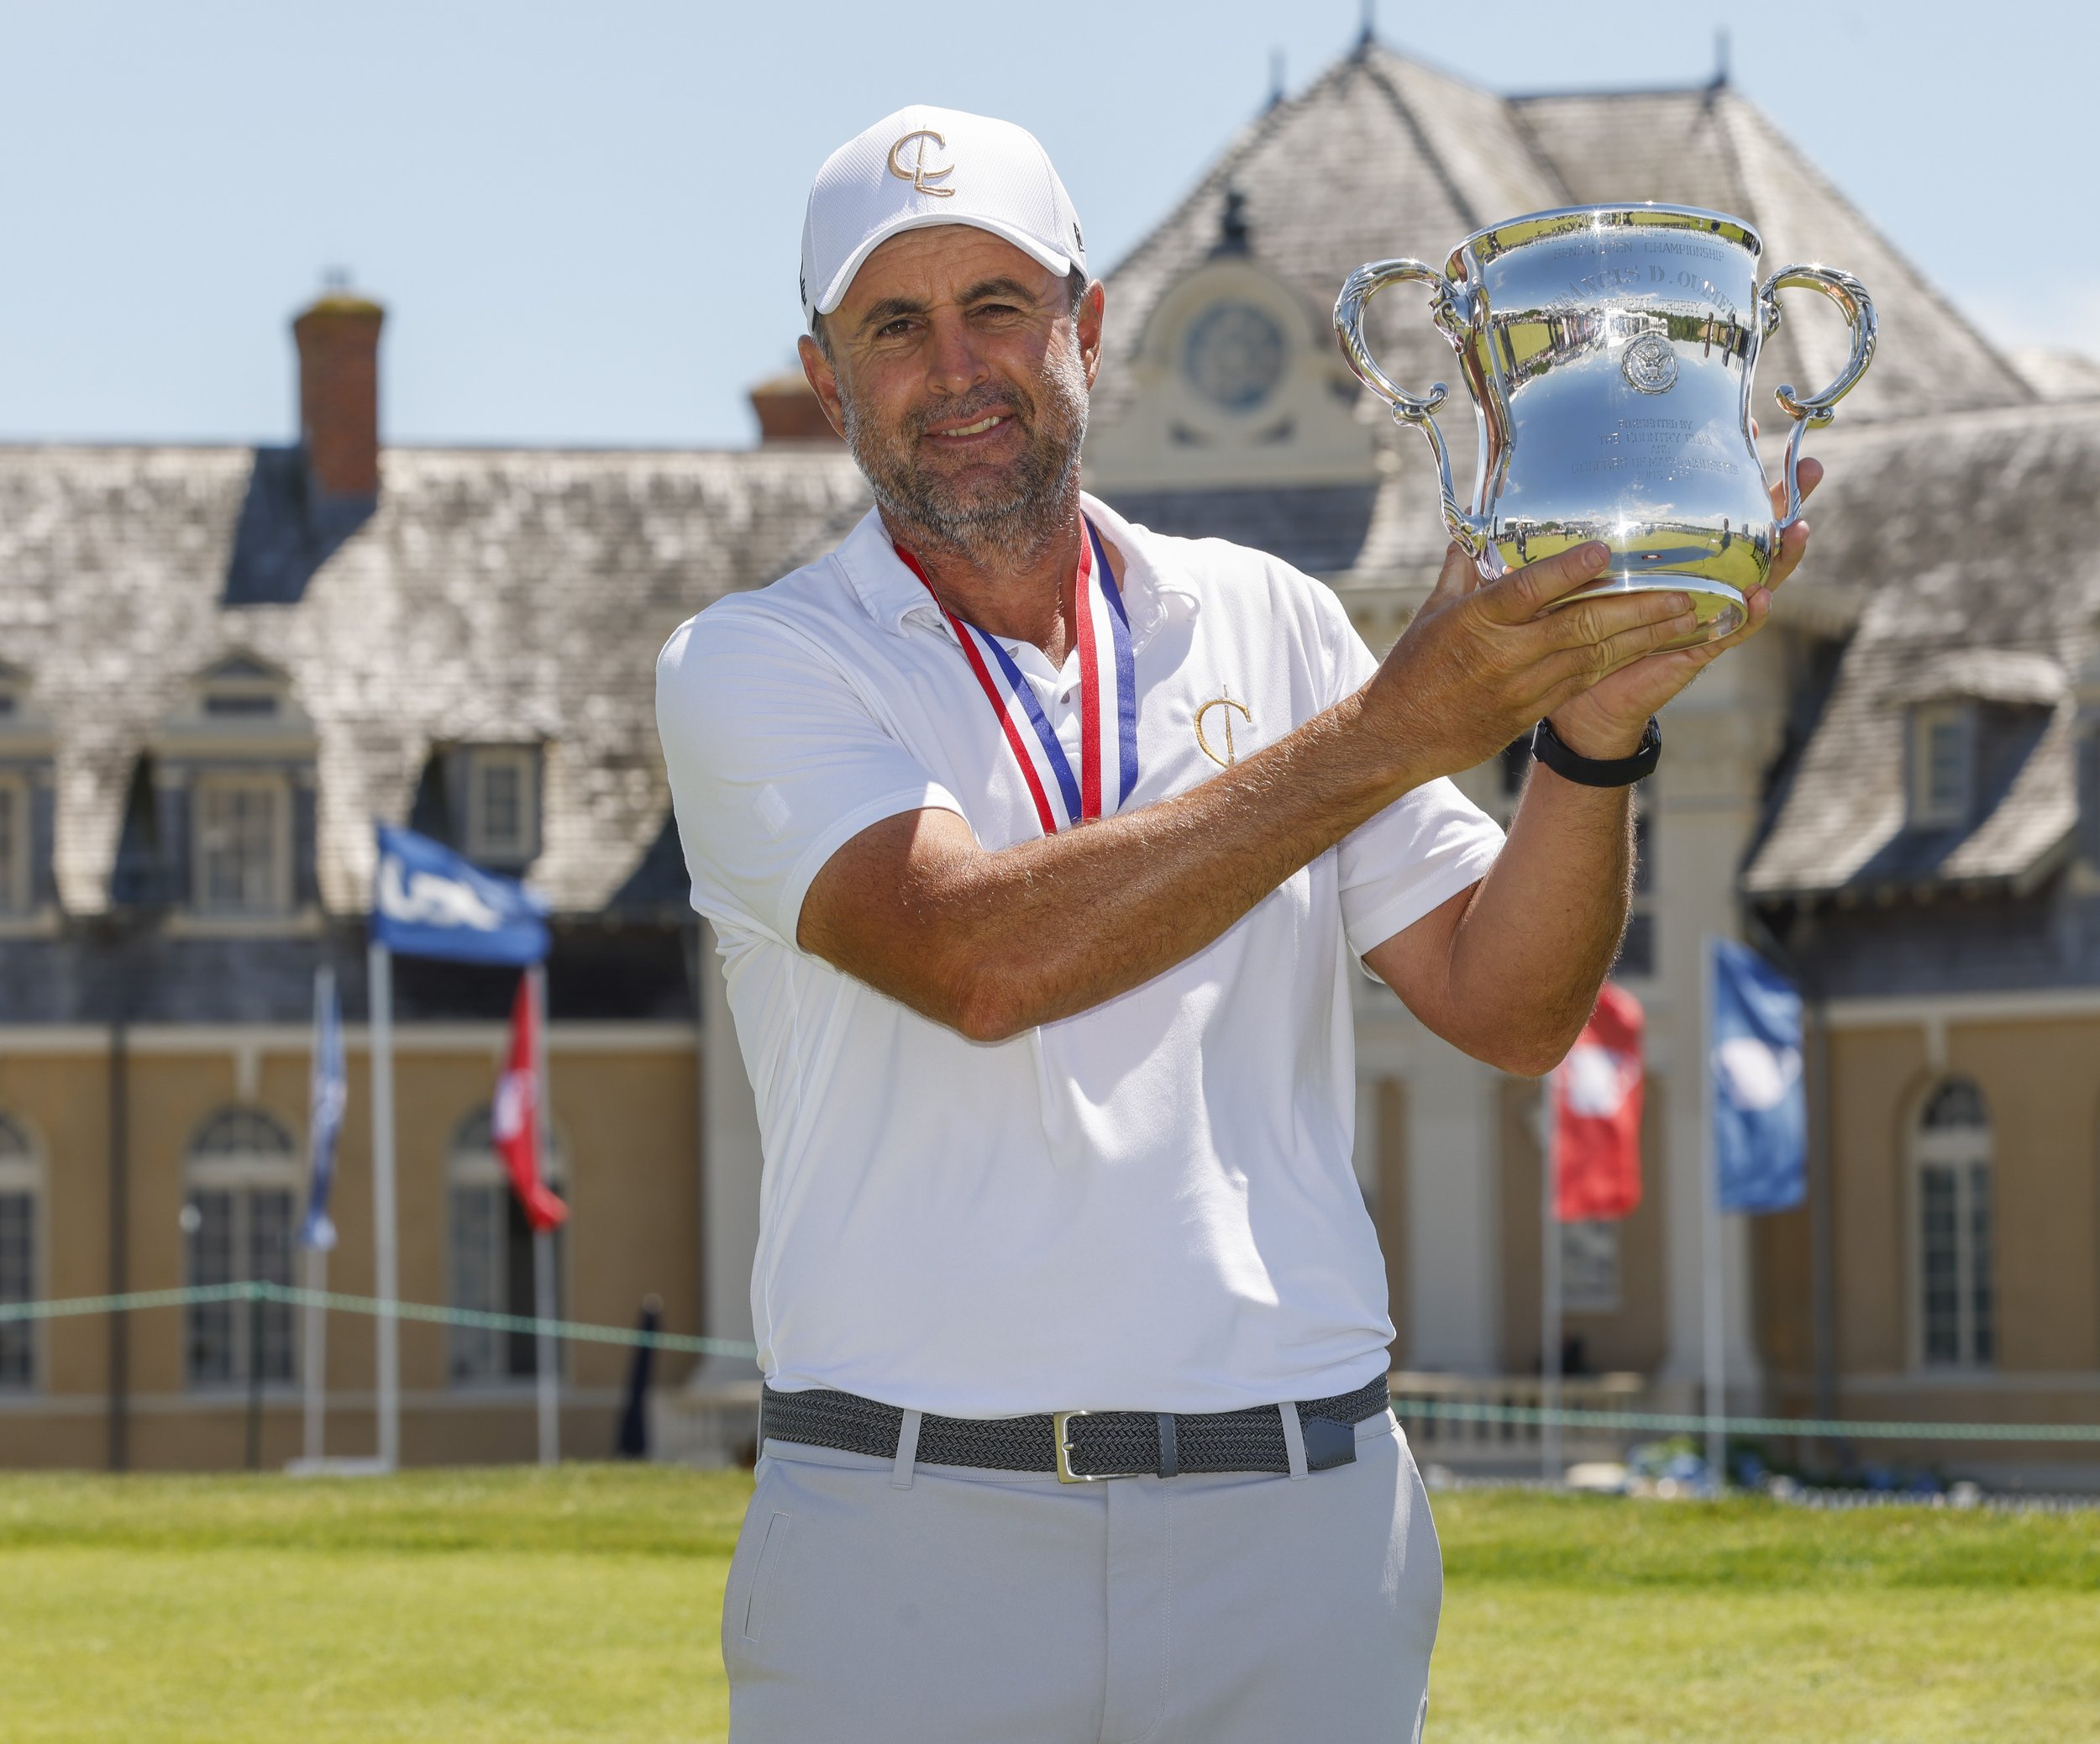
(1228, 705)
(921, 175)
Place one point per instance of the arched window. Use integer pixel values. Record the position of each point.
(490, 1252)
(21, 1180)
(241, 1182)
(1957, 1296)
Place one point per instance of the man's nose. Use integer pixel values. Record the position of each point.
(954, 365)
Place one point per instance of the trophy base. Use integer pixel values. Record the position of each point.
(1716, 571)
(1720, 609)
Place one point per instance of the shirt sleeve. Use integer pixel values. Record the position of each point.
(1420, 851)
(775, 762)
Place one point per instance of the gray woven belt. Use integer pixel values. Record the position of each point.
(1082, 1446)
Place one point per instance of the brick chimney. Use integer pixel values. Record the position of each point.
(790, 411)
(338, 338)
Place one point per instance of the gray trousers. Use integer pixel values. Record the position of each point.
(872, 1601)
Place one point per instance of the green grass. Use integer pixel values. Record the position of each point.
(508, 1605)
(1610, 1622)
(466, 1606)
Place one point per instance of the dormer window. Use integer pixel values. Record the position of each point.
(1942, 763)
(1972, 717)
(243, 836)
(239, 687)
(232, 771)
(221, 703)
(25, 805)
(502, 805)
(14, 846)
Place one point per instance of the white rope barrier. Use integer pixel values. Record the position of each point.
(1407, 1406)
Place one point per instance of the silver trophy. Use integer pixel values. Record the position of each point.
(1609, 350)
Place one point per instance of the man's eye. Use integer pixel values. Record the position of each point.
(997, 309)
(894, 330)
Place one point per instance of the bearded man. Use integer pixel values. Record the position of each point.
(1047, 1017)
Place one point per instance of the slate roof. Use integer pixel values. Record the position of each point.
(1384, 155)
(2057, 375)
(1963, 547)
(1714, 148)
(518, 594)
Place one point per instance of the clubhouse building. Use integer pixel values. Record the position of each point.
(219, 665)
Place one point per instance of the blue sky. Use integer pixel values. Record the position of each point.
(583, 219)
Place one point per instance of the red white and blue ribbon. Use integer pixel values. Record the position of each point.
(1108, 700)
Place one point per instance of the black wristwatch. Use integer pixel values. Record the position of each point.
(1550, 749)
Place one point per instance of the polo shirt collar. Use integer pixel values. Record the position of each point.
(894, 597)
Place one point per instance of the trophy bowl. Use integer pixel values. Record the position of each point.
(1609, 350)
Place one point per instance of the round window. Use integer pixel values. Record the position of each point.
(1234, 354)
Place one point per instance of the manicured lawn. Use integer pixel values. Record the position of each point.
(466, 1606)
(1611, 1622)
(491, 1605)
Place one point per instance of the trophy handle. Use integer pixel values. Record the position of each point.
(1447, 305)
(1814, 411)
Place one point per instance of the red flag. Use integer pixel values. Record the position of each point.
(514, 1119)
(1597, 1096)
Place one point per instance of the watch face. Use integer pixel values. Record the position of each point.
(1233, 354)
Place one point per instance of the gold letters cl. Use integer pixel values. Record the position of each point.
(921, 175)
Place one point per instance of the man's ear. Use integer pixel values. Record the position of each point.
(1091, 307)
(823, 380)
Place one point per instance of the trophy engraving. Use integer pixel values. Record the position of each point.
(1609, 352)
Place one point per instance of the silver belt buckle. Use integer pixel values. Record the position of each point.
(1059, 1420)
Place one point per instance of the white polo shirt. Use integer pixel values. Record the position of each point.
(1148, 1206)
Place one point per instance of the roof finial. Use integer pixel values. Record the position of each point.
(1720, 57)
(335, 278)
(1369, 34)
(1275, 77)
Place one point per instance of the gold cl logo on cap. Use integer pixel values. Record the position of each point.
(921, 175)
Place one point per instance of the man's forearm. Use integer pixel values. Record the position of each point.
(1535, 943)
(992, 941)
(992, 944)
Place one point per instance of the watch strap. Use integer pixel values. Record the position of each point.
(1549, 748)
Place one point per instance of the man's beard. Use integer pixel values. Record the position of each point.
(1009, 519)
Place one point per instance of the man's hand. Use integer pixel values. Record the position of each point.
(1509, 970)
(1481, 661)
(1607, 721)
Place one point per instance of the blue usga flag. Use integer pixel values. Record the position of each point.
(324, 1125)
(426, 902)
(1760, 1104)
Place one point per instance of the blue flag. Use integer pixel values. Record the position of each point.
(1760, 1104)
(324, 1125)
(426, 902)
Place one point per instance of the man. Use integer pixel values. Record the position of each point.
(1044, 992)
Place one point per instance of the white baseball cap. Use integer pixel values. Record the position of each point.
(923, 166)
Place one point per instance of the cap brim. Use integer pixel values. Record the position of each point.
(1052, 260)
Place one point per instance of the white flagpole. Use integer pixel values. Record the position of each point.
(385, 1282)
(543, 1301)
(316, 1354)
(1550, 1467)
(317, 1266)
(1716, 1355)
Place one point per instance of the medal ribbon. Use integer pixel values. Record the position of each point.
(1106, 665)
